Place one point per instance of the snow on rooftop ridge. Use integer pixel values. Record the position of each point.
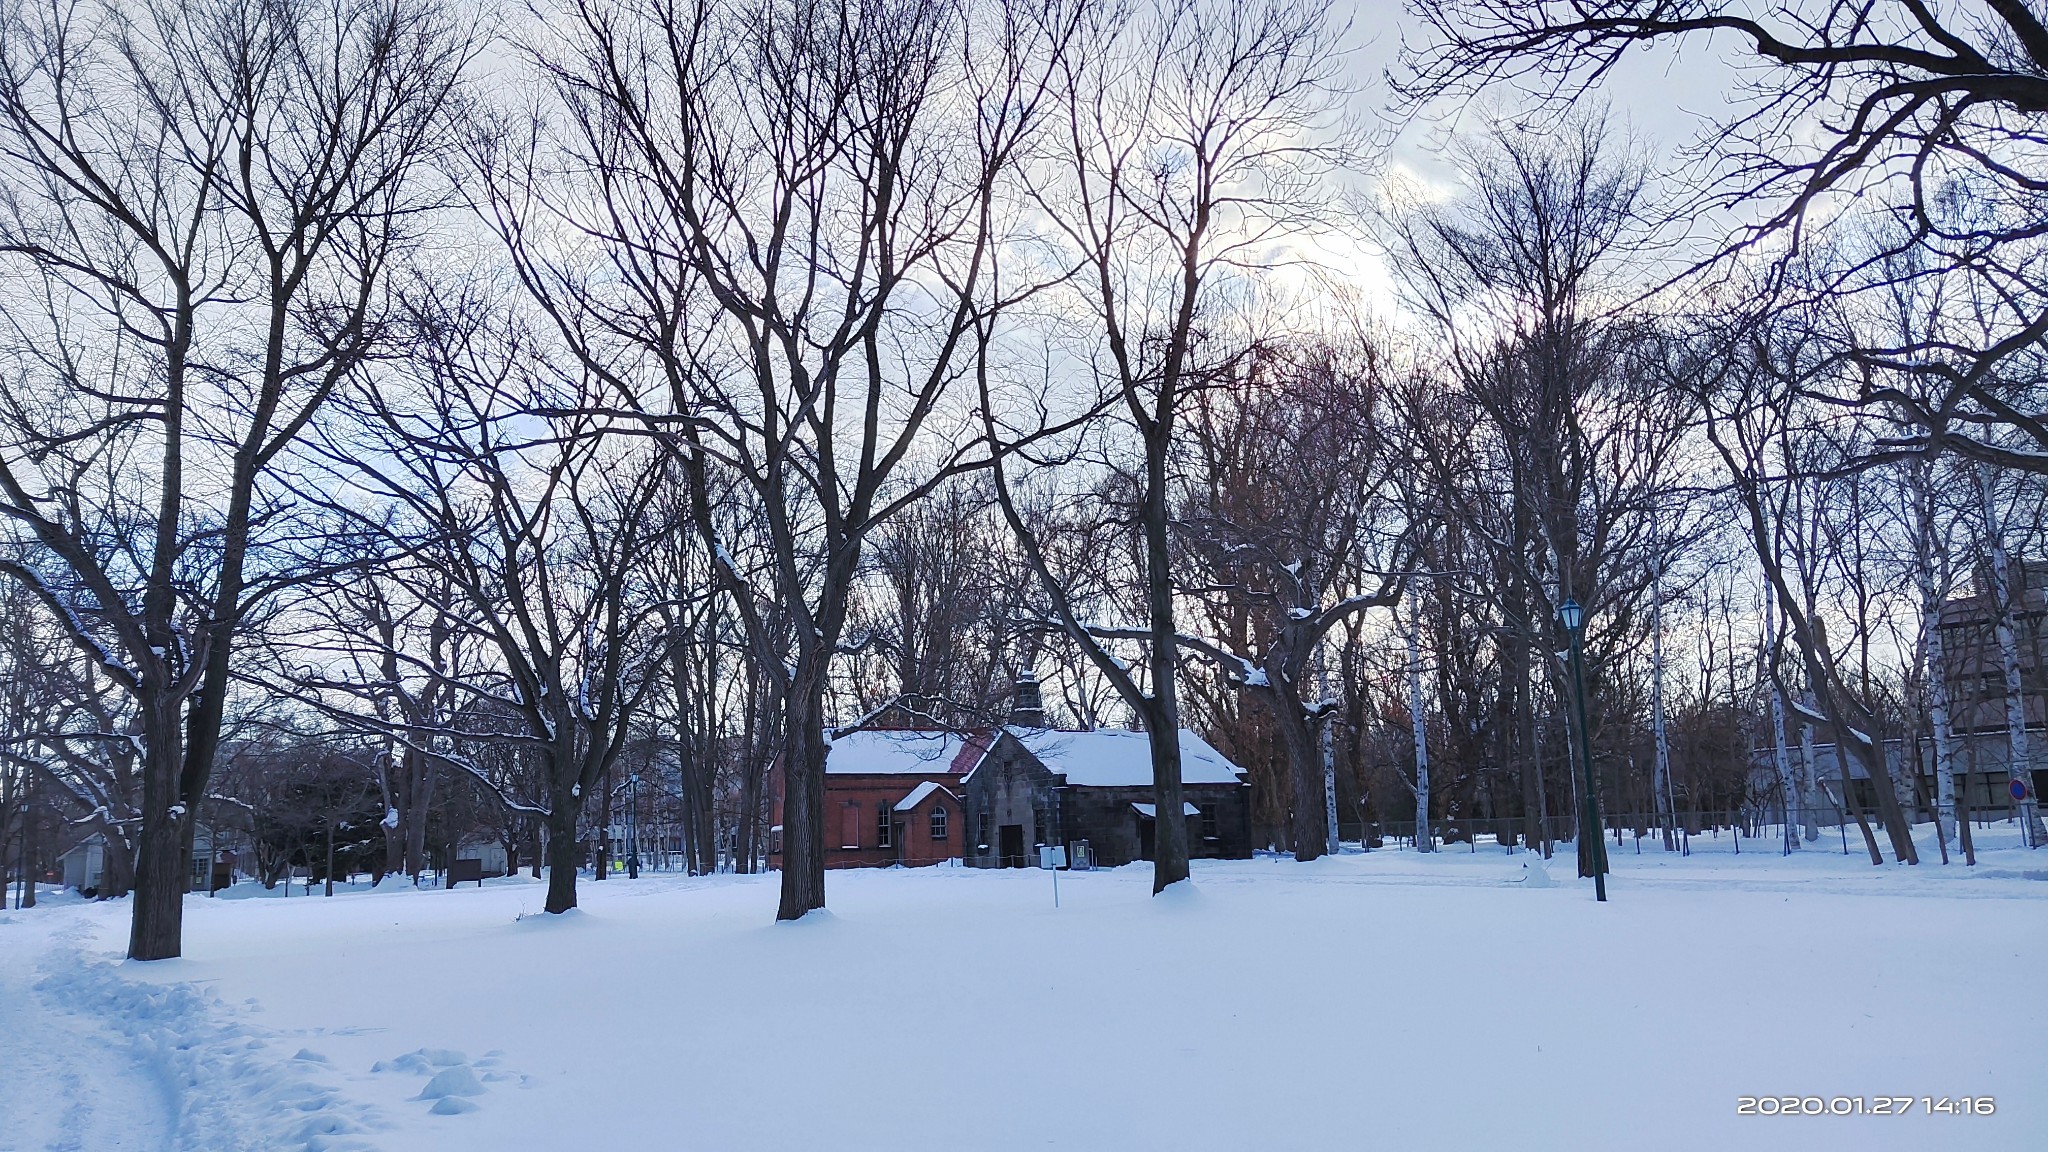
(1108, 758)
(921, 792)
(883, 751)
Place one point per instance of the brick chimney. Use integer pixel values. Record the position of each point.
(1027, 707)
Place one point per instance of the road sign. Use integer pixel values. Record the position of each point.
(2018, 789)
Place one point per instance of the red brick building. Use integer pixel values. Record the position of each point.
(892, 796)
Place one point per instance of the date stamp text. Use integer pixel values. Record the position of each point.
(1865, 1106)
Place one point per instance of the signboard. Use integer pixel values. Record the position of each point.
(1052, 856)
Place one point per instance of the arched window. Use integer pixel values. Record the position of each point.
(939, 822)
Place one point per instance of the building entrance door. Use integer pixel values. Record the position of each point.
(1010, 844)
(1146, 829)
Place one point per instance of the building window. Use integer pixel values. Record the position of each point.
(939, 822)
(1208, 821)
(849, 826)
(885, 825)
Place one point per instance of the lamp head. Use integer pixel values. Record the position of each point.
(1572, 616)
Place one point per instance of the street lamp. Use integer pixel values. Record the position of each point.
(1592, 842)
(633, 826)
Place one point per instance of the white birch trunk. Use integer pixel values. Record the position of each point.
(1788, 783)
(1661, 785)
(1425, 839)
(1935, 651)
(1330, 780)
(2018, 760)
(1938, 714)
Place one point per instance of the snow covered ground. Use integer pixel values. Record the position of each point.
(1381, 1000)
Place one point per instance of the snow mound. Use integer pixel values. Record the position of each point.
(454, 1079)
(1535, 875)
(457, 1081)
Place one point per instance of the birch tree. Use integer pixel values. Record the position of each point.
(2001, 608)
(1932, 579)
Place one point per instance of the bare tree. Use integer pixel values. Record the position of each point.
(1575, 487)
(1775, 449)
(1927, 117)
(1188, 141)
(787, 216)
(525, 538)
(1291, 527)
(202, 200)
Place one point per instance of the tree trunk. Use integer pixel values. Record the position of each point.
(1304, 774)
(803, 795)
(156, 921)
(1660, 777)
(1935, 652)
(1425, 840)
(1162, 714)
(1170, 829)
(118, 877)
(562, 844)
(1849, 804)
(2018, 759)
(28, 842)
(1781, 759)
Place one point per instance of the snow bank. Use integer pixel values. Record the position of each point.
(1363, 1000)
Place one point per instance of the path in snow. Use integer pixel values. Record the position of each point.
(67, 1083)
(98, 1054)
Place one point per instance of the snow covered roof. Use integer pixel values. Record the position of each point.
(918, 794)
(1153, 809)
(905, 751)
(1107, 758)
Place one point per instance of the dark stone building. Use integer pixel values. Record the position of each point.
(1092, 793)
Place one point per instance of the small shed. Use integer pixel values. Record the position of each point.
(84, 864)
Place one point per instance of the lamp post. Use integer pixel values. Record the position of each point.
(1592, 841)
(633, 826)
